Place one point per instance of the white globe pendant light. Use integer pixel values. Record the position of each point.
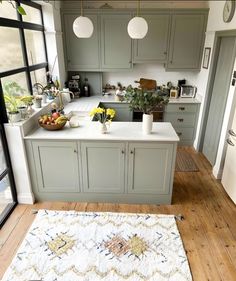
(83, 26)
(137, 26)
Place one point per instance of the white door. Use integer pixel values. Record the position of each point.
(229, 172)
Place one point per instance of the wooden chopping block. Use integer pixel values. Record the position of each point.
(147, 84)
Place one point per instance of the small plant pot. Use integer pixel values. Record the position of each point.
(14, 116)
(38, 103)
(23, 112)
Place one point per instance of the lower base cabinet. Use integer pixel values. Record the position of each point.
(95, 171)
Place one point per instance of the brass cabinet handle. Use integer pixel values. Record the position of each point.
(230, 142)
(232, 133)
(75, 151)
(180, 119)
(181, 108)
(179, 134)
(131, 152)
(122, 151)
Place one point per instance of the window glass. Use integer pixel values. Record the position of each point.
(35, 46)
(32, 15)
(10, 49)
(7, 10)
(19, 78)
(38, 76)
(5, 194)
(2, 159)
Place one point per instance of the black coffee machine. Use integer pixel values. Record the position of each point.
(75, 86)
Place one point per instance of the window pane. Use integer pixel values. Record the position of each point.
(10, 49)
(32, 15)
(5, 194)
(7, 11)
(35, 46)
(39, 76)
(19, 78)
(2, 159)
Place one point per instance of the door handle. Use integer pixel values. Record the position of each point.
(180, 120)
(181, 108)
(232, 133)
(230, 142)
(179, 134)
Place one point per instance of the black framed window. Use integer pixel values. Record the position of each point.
(23, 59)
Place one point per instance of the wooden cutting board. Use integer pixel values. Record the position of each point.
(147, 84)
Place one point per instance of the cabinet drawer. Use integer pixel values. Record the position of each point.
(181, 107)
(180, 119)
(185, 134)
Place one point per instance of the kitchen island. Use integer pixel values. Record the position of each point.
(122, 166)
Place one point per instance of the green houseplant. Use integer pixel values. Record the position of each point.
(146, 102)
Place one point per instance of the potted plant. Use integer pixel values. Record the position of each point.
(12, 108)
(146, 102)
(103, 116)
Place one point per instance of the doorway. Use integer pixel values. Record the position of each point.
(220, 79)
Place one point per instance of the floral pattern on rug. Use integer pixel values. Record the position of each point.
(76, 246)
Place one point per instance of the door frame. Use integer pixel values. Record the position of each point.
(210, 83)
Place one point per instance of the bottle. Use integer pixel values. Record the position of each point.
(86, 88)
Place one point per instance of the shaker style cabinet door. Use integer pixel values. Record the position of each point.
(115, 42)
(103, 167)
(186, 42)
(81, 53)
(56, 166)
(150, 168)
(153, 47)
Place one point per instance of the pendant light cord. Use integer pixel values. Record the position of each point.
(81, 7)
(138, 8)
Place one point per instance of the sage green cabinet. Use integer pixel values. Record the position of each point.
(154, 46)
(186, 41)
(115, 42)
(81, 53)
(184, 119)
(123, 111)
(103, 167)
(150, 169)
(54, 166)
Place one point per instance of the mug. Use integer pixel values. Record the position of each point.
(67, 96)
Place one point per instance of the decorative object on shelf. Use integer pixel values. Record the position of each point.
(146, 102)
(83, 26)
(104, 116)
(206, 57)
(38, 101)
(174, 92)
(229, 10)
(137, 26)
(52, 122)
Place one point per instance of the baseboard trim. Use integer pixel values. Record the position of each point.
(217, 173)
(25, 198)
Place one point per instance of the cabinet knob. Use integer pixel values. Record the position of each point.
(130, 61)
(171, 62)
(131, 152)
(165, 53)
(230, 142)
(181, 108)
(122, 151)
(75, 151)
(179, 134)
(180, 119)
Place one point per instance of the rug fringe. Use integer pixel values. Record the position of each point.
(179, 217)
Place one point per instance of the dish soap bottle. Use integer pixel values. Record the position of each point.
(86, 88)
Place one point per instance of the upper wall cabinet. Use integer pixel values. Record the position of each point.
(153, 48)
(186, 42)
(81, 53)
(115, 42)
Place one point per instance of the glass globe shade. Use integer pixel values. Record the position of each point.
(137, 28)
(83, 27)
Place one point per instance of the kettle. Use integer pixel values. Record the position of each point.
(67, 95)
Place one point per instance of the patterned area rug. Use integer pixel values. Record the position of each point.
(74, 246)
(185, 162)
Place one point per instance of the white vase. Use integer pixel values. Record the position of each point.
(147, 123)
(14, 116)
(103, 128)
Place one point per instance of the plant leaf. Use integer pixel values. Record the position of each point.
(21, 10)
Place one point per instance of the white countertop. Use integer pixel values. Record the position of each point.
(118, 131)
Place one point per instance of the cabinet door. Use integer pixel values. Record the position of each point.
(103, 167)
(153, 47)
(123, 112)
(115, 42)
(186, 43)
(81, 53)
(56, 166)
(150, 168)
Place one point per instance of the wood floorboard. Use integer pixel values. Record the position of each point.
(208, 230)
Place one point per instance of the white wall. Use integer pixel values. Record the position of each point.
(215, 23)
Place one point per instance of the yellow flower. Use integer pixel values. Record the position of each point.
(110, 112)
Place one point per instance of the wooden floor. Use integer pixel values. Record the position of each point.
(208, 229)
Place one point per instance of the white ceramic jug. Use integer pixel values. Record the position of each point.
(67, 95)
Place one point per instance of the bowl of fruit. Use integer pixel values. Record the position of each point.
(52, 122)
